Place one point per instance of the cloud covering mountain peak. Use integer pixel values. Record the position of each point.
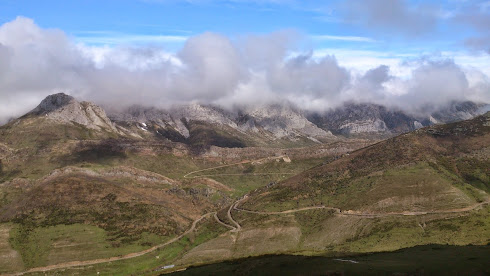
(214, 69)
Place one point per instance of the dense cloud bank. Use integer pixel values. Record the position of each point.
(213, 69)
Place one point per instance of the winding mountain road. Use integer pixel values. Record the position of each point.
(419, 213)
(235, 228)
(338, 211)
(238, 227)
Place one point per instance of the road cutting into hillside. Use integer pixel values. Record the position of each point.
(339, 212)
(188, 175)
(418, 213)
(287, 211)
(239, 174)
(232, 207)
(113, 259)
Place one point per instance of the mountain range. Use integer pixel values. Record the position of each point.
(144, 190)
(280, 124)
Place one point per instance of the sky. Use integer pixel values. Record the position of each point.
(407, 54)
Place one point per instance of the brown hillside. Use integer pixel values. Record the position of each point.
(119, 204)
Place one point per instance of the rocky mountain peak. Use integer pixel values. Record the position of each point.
(52, 103)
(64, 108)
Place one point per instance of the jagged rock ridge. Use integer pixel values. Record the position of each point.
(274, 121)
(267, 122)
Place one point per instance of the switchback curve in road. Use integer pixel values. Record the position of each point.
(223, 223)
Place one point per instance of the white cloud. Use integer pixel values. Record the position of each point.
(360, 61)
(132, 58)
(212, 68)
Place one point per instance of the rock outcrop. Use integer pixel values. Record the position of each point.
(64, 108)
(285, 121)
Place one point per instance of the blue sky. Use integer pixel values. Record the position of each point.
(318, 54)
(329, 23)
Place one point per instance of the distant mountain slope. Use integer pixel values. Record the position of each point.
(360, 119)
(66, 166)
(285, 120)
(458, 111)
(435, 168)
(279, 123)
(203, 124)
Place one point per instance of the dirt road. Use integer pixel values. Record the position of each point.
(288, 211)
(229, 165)
(367, 215)
(223, 223)
(420, 213)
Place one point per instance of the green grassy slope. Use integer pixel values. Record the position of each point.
(441, 167)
